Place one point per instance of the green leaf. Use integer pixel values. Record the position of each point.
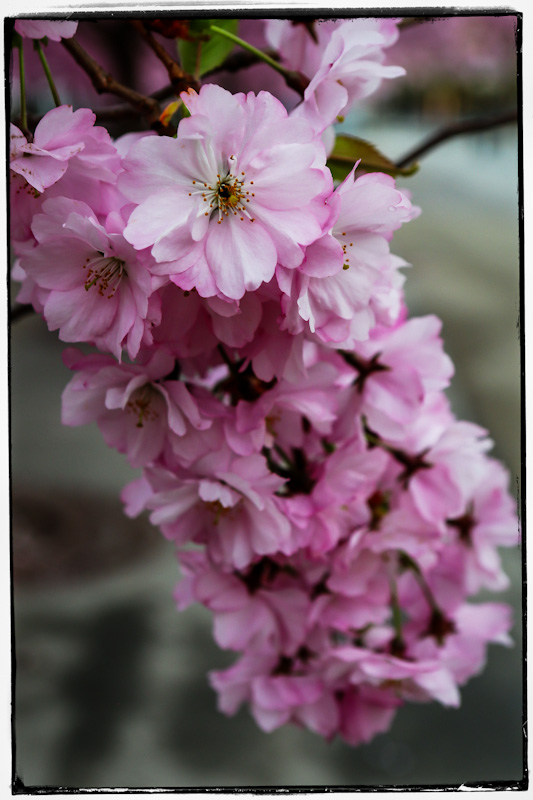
(349, 149)
(210, 49)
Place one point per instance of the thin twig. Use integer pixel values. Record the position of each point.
(23, 110)
(410, 22)
(457, 129)
(294, 79)
(124, 110)
(241, 60)
(49, 78)
(104, 82)
(233, 63)
(180, 80)
(113, 113)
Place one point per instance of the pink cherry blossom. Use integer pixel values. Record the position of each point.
(276, 698)
(366, 711)
(419, 680)
(99, 287)
(246, 613)
(241, 188)
(223, 501)
(138, 412)
(344, 62)
(55, 30)
(349, 280)
(465, 649)
(60, 135)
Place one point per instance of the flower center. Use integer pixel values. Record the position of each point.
(345, 246)
(104, 272)
(228, 194)
(217, 510)
(140, 404)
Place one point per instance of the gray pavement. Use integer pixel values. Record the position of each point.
(110, 679)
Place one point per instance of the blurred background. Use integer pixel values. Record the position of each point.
(110, 680)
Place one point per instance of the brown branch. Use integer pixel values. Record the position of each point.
(240, 60)
(113, 113)
(233, 63)
(410, 22)
(104, 82)
(124, 110)
(180, 80)
(457, 129)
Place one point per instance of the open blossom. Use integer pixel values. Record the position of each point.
(55, 30)
(224, 501)
(138, 412)
(240, 189)
(349, 280)
(59, 136)
(246, 613)
(70, 156)
(276, 698)
(397, 369)
(342, 58)
(99, 287)
(43, 162)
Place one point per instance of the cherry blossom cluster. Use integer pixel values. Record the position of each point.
(255, 357)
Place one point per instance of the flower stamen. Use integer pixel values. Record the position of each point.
(104, 272)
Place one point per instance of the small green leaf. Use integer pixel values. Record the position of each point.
(210, 49)
(349, 149)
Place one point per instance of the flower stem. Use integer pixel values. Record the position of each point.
(259, 53)
(398, 643)
(22, 76)
(47, 72)
(409, 563)
(295, 80)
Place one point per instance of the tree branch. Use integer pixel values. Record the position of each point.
(104, 82)
(457, 129)
(180, 80)
(125, 110)
(233, 63)
(241, 60)
(410, 22)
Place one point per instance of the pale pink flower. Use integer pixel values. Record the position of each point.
(329, 511)
(446, 472)
(464, 650)
(275, 353)
(252, 609)
(488, 522)
(358, 594)
(223, 501)
(344, 62)
(55, 30)
(275, 698)
(241, 188)
(60, 135)
(138, 409)
(421, 680)
(314, 397)
(397, 368)
(366, 711)
(349, 280)
(99, 287)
